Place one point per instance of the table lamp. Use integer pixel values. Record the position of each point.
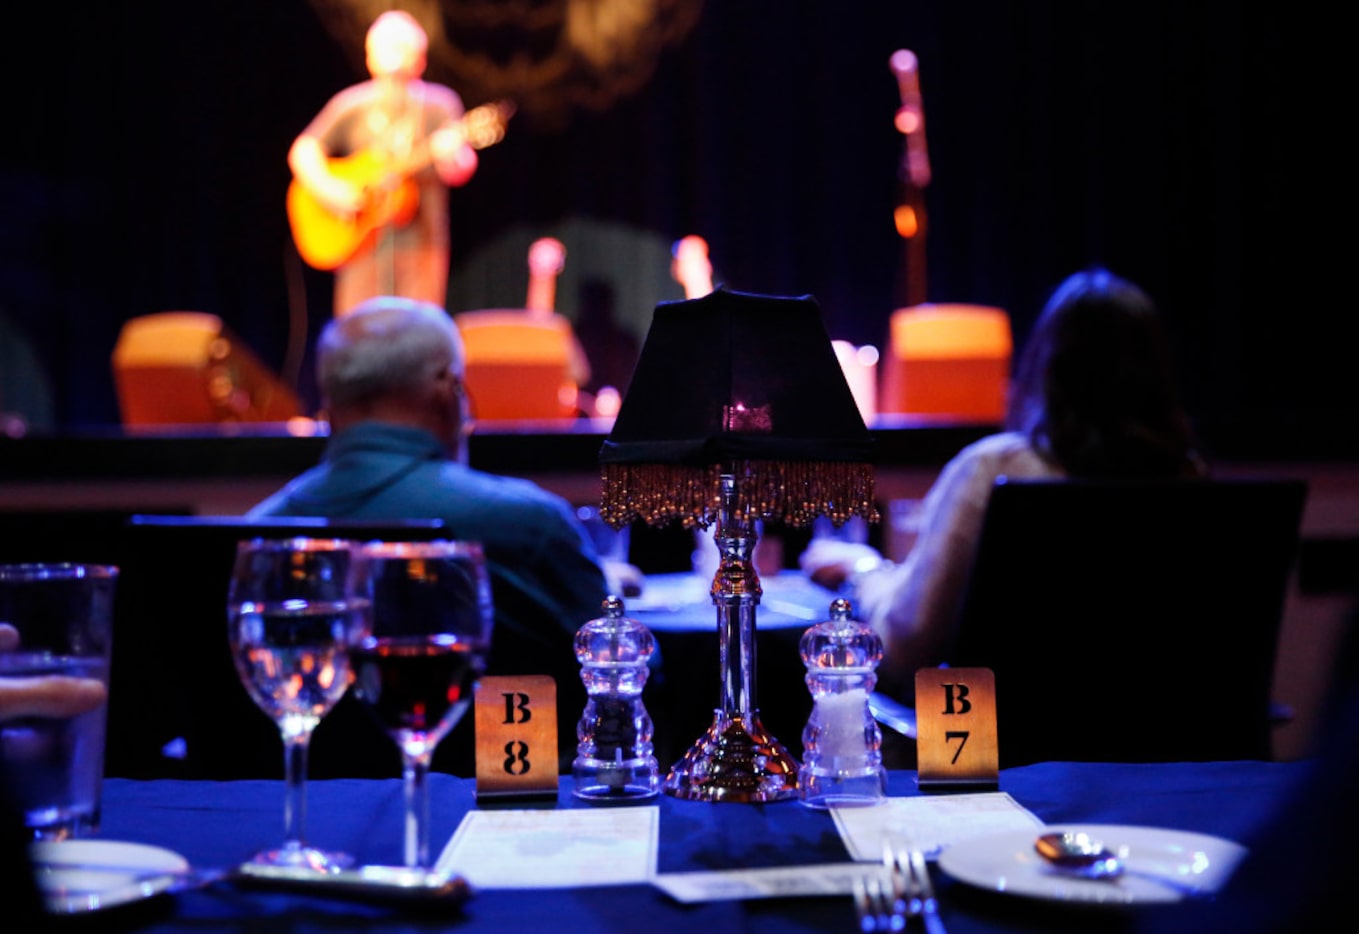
(738, 411)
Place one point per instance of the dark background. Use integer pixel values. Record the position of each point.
(1184, 145)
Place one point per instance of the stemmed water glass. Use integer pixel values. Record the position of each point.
(415, 672)
(295, 607)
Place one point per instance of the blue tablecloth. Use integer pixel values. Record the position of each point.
(215, 824)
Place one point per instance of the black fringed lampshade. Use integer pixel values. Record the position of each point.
(743, 384)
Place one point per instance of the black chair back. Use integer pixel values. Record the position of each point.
(1131, 620)
(177, 708)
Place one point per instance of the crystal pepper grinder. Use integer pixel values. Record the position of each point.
(615, 760)
(841, 744)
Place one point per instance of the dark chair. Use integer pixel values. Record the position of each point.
(78, 535)
(83, 535)
(176, 706)
(1131, 620)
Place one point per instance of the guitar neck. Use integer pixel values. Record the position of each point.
(483, 126)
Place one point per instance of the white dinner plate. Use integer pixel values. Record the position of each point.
(1190, 863)
(77, 876)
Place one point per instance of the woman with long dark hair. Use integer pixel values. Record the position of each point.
(1092, 397)
(1093, 392)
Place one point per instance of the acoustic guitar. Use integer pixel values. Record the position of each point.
(326, 239)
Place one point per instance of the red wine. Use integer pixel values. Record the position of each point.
(414, 684)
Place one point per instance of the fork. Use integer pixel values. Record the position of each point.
(876, 903)
(912, 890)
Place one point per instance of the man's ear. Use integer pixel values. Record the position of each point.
(466, 415)
(449, 395)
(445, 388)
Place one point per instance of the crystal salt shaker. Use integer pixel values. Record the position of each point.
(841, 744)
(615, 761)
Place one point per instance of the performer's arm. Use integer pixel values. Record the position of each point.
(310, 166)
(454, 159)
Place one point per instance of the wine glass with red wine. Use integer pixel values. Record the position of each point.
(415, 672)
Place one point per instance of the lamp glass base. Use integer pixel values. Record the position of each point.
(735, 760)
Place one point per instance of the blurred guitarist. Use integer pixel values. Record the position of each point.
(412, 138)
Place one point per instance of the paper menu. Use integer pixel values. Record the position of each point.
(514, 849)
(929, 822)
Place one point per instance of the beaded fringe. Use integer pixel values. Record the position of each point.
(794, 493)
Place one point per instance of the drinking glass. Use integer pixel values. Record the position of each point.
(416, 670)
(56, 628)
(295, 607)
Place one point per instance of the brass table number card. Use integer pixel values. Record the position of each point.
(955, 712)
(516, 737)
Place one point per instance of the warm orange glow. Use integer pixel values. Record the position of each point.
(948, 359)
(907, 120)
(908, 225)
(517, 362)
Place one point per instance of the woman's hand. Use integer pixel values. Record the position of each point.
(831, 563)
(48, 695)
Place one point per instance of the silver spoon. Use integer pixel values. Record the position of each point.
(1082, 855)
(1079, 853)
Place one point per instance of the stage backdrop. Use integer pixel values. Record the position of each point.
(145, 143)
